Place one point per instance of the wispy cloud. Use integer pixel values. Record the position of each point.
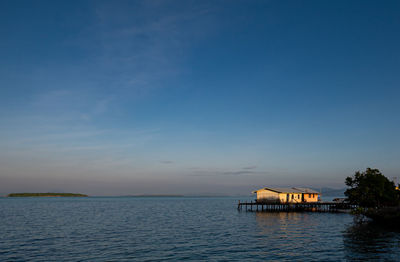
(145, 43)
(249, 167)
(238, 173)
(62, 140)
(128, 50)
(227, 172)
(78, 104)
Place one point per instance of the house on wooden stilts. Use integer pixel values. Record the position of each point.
(287, 195)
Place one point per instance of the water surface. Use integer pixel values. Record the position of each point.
(181, 228)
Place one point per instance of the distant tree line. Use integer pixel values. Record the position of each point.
(46, 195)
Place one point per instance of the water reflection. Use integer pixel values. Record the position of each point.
(277, 221)
(297, 236)
(288, 222)
(371, 241)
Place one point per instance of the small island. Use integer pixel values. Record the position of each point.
(46, 195)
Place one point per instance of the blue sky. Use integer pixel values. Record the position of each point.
(196, 97)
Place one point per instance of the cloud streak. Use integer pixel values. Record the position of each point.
(249, 167)
(227, 173)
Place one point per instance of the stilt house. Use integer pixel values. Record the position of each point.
(287, 195)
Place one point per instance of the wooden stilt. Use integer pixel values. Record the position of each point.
(295, 207)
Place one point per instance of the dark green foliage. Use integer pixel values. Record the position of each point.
(371, 189)
(46, 195)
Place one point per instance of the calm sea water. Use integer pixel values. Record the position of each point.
(155, 229)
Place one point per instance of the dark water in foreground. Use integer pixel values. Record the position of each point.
(209, 229)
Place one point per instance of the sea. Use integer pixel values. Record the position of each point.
(182, 228)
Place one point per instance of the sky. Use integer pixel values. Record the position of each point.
(196, 97)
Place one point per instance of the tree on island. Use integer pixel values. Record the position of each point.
(371, 189)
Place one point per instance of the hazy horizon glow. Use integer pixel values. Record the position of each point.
(196, 97)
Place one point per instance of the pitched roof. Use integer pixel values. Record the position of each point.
(307, 190)
(296, 190)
